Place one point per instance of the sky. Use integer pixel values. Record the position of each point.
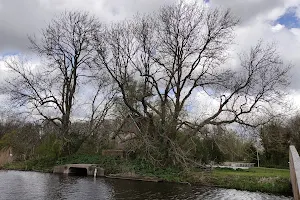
(270, 20)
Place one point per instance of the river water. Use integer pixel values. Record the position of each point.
(18, 185)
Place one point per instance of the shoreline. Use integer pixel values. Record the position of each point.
(160, 180)
(266, 180)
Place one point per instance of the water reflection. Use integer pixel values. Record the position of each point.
(33, 185)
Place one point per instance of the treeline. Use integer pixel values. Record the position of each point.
(276, 138)
(32, 140)
(213, 146)
(141, 75)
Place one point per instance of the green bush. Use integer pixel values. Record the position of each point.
(50, 147)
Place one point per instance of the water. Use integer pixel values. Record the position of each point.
(39, 186)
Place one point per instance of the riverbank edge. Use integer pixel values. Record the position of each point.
(277, 185)
(288, 194)
(195, 183)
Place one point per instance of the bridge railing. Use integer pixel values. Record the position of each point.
(295, 171)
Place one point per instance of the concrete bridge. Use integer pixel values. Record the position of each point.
(80, 169)
(295, 171)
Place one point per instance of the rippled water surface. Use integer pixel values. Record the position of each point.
(35, 186)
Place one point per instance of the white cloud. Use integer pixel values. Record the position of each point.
(22, 18)
(278, 27)
(201, 105)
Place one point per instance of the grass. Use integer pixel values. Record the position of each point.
(269, 180)
(254, 172)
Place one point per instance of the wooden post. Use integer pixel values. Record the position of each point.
(257, 155)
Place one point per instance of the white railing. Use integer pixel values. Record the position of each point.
(295, 171)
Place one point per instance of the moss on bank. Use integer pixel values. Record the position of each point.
(267, 180)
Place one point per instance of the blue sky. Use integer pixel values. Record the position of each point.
(9, 53)
(289, 19)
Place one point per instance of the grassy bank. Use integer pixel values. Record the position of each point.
(111, 165)
(267, 180)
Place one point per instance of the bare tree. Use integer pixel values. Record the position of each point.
(67, 50)
(159, 61)
(98, 110)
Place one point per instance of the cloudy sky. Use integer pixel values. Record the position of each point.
(270, 20)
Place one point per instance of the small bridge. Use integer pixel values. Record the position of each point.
(79, 169)
(295, 171)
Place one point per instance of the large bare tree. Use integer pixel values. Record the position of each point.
(66, 48)
(159, 61)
